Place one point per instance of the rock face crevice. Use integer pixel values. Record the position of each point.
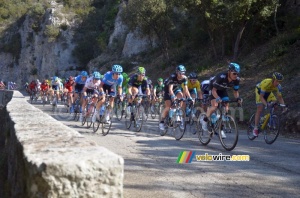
(40, 157)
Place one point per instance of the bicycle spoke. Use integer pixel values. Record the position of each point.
(229, 129)
(272, 130)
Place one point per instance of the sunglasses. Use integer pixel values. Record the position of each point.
(118, 74)
(142, 74)
(181, 73)
(234, 73)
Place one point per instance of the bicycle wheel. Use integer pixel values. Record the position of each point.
(166, 123)
(153, 113)
(106, 125)
(138, 119)
(179, 128)
(272, 130)
(128, 120)
(251, 127)
(118, 111)
(89, 116)
(229, 128)
(204, 136)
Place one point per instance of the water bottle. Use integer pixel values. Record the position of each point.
(171, 112)
(102, 110)
(213, 118)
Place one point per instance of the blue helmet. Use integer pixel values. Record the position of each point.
(181, 68)
(84, 74)
(117, 69)
(277, 76)
(96, 75)
(234, 67)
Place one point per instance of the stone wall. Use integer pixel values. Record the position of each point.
(41, 157)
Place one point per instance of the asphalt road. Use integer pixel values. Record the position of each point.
(151, 169)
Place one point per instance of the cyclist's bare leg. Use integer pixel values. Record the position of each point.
(212, 108)
(259, 109)
(166, 109)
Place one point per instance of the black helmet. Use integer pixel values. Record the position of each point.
(193, 75)
(277, 76)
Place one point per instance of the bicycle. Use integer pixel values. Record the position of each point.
(192, 115)
(104, 111)
(119, 108)
(175, 120)
(77, 108)
(55, 101)
(44, 97)
(157, 107)
(146, 105)
(136, 114)
(90, 108)
(269, 125)
(224, 122)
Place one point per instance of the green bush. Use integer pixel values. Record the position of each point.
(52, 32)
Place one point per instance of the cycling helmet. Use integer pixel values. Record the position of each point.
(193, 75)
(180, 68)
(141, 70)
(96, 75)
(55, 78)
(84, 74)
(37, 80)
(117, 69)
(160, 80)
(234, 67)
(277, 76)
(125, 75)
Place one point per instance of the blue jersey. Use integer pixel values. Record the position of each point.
(108, 79)
(79, 81)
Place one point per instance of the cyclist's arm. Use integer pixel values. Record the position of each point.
(186, 91)
(120, 90)
(214, 92)
(262, 99)
(84, 91)
(200, 95)
(171, 90)
(280, 99)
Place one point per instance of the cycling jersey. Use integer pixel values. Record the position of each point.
(159, 88)
(108, 79)
(79, 84)
(266, 87)
(32, 85)
(205, 86)
(172, 80)
(69, 85)
(44, 86)
(221, 83)
(89, 84)
(56, 85)
(134, 82)
(191, 86)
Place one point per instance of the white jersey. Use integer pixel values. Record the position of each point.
(89, 83)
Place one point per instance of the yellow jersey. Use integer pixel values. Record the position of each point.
(266, 86)
(190, 86)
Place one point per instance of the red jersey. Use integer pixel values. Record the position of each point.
(32, 85)
(44, 86)
(69, 86)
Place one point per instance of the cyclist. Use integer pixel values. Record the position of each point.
(194, 86)
(218, 91)
(78, 85)
(264, 94)
(32, 87)
(111, 83)
(158, 89)
(44, 88)
(69, 90)
(138, 84)
(172, 90)
(56, 87)
(91, 84)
